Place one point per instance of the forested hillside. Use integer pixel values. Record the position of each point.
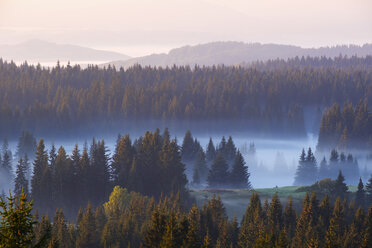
(268, 98)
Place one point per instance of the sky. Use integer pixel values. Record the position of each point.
(141, 27)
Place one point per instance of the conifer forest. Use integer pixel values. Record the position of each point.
(165, 124)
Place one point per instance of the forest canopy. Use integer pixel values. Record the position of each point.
(269, 97)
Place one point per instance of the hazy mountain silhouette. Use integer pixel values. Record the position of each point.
(231, 53)
(43, 51)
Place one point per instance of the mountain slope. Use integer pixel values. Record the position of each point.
(231, 53)
(42, 51)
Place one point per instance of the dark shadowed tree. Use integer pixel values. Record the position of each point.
(218, 174)
(239, 177)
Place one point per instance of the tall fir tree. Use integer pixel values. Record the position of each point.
(122, 161)
(218, 174)
(340, 186)
(360, 195)
(211, 152)
(38, 186)
(20, 181)
(239, 177)
(87, 235)
(368, 190)
(200, 172)
(307, 170)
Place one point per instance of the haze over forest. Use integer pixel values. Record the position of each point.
(192, 123)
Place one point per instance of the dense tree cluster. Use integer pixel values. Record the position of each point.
(151, 165)
(350, 128)
(59, 98)
(308, 171)
(129, 219)
(220, 166)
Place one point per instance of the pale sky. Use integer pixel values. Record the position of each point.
(140, 27)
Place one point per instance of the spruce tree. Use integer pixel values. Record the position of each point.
(60, 230)
(275, 218)
(211, 152)
(307, 171)
(38, 178)
(230, 151)
(369, 191)
(239, 177)
(289, 218)
(188, 150)
(122, 161)
(52, 158)
(367, 234)
(87, 233)
(218, 174)
(354, 237)
(194, 232)
(6, 165)
(340, 186)
(360, 194)
(63, 180)
(17, 222)
(252, 218)
(20, 182)
(200, 171)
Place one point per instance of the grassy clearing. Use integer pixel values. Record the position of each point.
(237, 200)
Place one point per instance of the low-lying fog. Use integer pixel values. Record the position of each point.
(274, 163)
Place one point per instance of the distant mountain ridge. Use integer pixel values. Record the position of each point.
(43, 51)
(232, 53)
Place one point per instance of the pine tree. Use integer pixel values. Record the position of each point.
(289, 218)
(367, 234)
(20, 182)
(230, 151)
(251, 220)
(52, 158)
(340, 186)
(336, 227)
(354, 237)
(211, 152)
(200, 171)
(222, 148)
(188, 150)
(239, 177)
(63, 177)
(87, 232)
(122, 161)
(6, 165)
(275, 218)
(360, 194)
(307, 171)
(17, 222)
(369, 191)
(38, 179)
(60, 231)
(218, 174)
(194, 232)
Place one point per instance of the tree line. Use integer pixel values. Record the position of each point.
(309, 172)
(220, 166)
(129, 219)
(349, 128)
(152, 165)
(65, 97)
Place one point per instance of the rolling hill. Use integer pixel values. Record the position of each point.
(232, 53)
